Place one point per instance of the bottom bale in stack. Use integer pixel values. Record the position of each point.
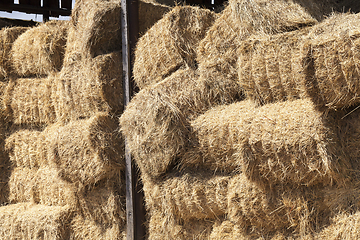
(32, 221)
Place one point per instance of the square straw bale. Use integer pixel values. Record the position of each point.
(164, 227)
(27, 149)
(272, 68)
(282, 142)
(7, 38)
(156, 123)
(150, 13)
(296, 210)
(105, 203)
(28, 101)
(40, 50)
(333, 61)
(84, 88)
(87, 150)
(170, 44)
(41, 186)
(82, 228)
(31, 221)
(343, 226)
(217, 57)
(94, 30)
(188, 195)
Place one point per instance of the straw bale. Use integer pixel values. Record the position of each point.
(217, 57)
(7, 38)
(40, 50)
(282, 207)
(188, 195)
(227, 230)
(217, 52)
(86, 229)
(333, 61)
(344, 226)
(170, 44)
(86, 87)
(281, 142)
(272, 68)
(87, 150)
(278, 15)
(150, 13)
(155, 121)
(164, 227)
(28, 101)
(29, 221)
(95, 29)
(41, 186)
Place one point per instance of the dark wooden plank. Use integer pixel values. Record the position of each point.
(32, 9)
(135, 211)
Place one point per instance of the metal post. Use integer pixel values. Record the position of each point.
(135, 213)
(46, 14)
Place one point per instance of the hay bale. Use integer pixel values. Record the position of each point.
(101, 213)
(150, 13)
(155, 123)
(28, 101)
(227, 230)
(86, 87)
(27, 149)
(95, 30)
(343, 226)
(7, 38)
(188, 195)
(284, 142)
(170, 44)
(41, 186)
(87, 229)
(40, 50)
(272, 68)
(86, 150)
(334, 61)
(286, 208)
(29, 221)
(217, 52)
(163, 227)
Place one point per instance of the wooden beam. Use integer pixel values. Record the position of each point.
(33, 9)
(135, 212)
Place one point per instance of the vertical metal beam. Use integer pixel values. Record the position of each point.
(135, 213)
(46, 14)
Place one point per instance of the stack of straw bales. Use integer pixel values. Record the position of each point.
(60, 114)
(258, 139)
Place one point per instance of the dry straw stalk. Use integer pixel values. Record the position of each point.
(170, 44)
(95, 30)
(7, 38)
(155, 122)
(283, 142)
(28, 101)
(86, 87)
(29, 221)
(40, 50)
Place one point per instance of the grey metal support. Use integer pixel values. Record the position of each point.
(135, 213)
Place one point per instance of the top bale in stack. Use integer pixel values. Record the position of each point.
(40, 50)
(217, 52)
(319, 62)
(170, 44)
(94, 29)
(7, 38)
